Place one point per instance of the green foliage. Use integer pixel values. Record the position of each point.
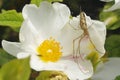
(37, 2)
(11, 18)
(4, 57)
(110, 18)
(15, 70)
(44, 75)
(113, 46)
(51, 75)
(117, 77)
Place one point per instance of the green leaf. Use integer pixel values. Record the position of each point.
(110, 18)
(55, 0)
(117, 77)
(15, 70)
(51, 75)
(11, 18)
(37, 2)
(4, 57)
(113, 46)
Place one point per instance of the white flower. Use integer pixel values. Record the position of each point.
(115, 6)
(110, 70)
(40, 24)
(46, 37)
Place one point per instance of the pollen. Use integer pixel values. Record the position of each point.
(49, 50)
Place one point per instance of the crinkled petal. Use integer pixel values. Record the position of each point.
(17, 49)
(79, 39)
(29, 37)
(85, 46)
(72, 34)
(12, 48)
(73, 71)
(110, 70)
(115, 6)
(48, 18)
(74, 22)
(66, 37)
(97, 33)
(28, 34)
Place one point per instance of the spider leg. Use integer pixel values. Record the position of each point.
(75, 51)
(82, 63)
(84, 66)
(78, 49)
(79, 58)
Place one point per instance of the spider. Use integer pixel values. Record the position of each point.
(76, 53)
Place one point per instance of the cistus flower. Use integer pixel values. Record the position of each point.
(114, 7)
(47, 37)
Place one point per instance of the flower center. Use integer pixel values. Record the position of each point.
(49, 50)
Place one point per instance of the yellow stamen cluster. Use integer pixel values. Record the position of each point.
(49, 50)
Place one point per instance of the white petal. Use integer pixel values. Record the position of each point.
(39, 65)
(66, 37)
(97, 33)
(70, 33)
(47, 18)
(114, 7)
(110, 70)
(64, 14)
(85, 46)
(73, 71)
(29, 37)
(81, 66)
(21, 55)
(116, 1)
(74, 22)
(12, 48)
(28, 34)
